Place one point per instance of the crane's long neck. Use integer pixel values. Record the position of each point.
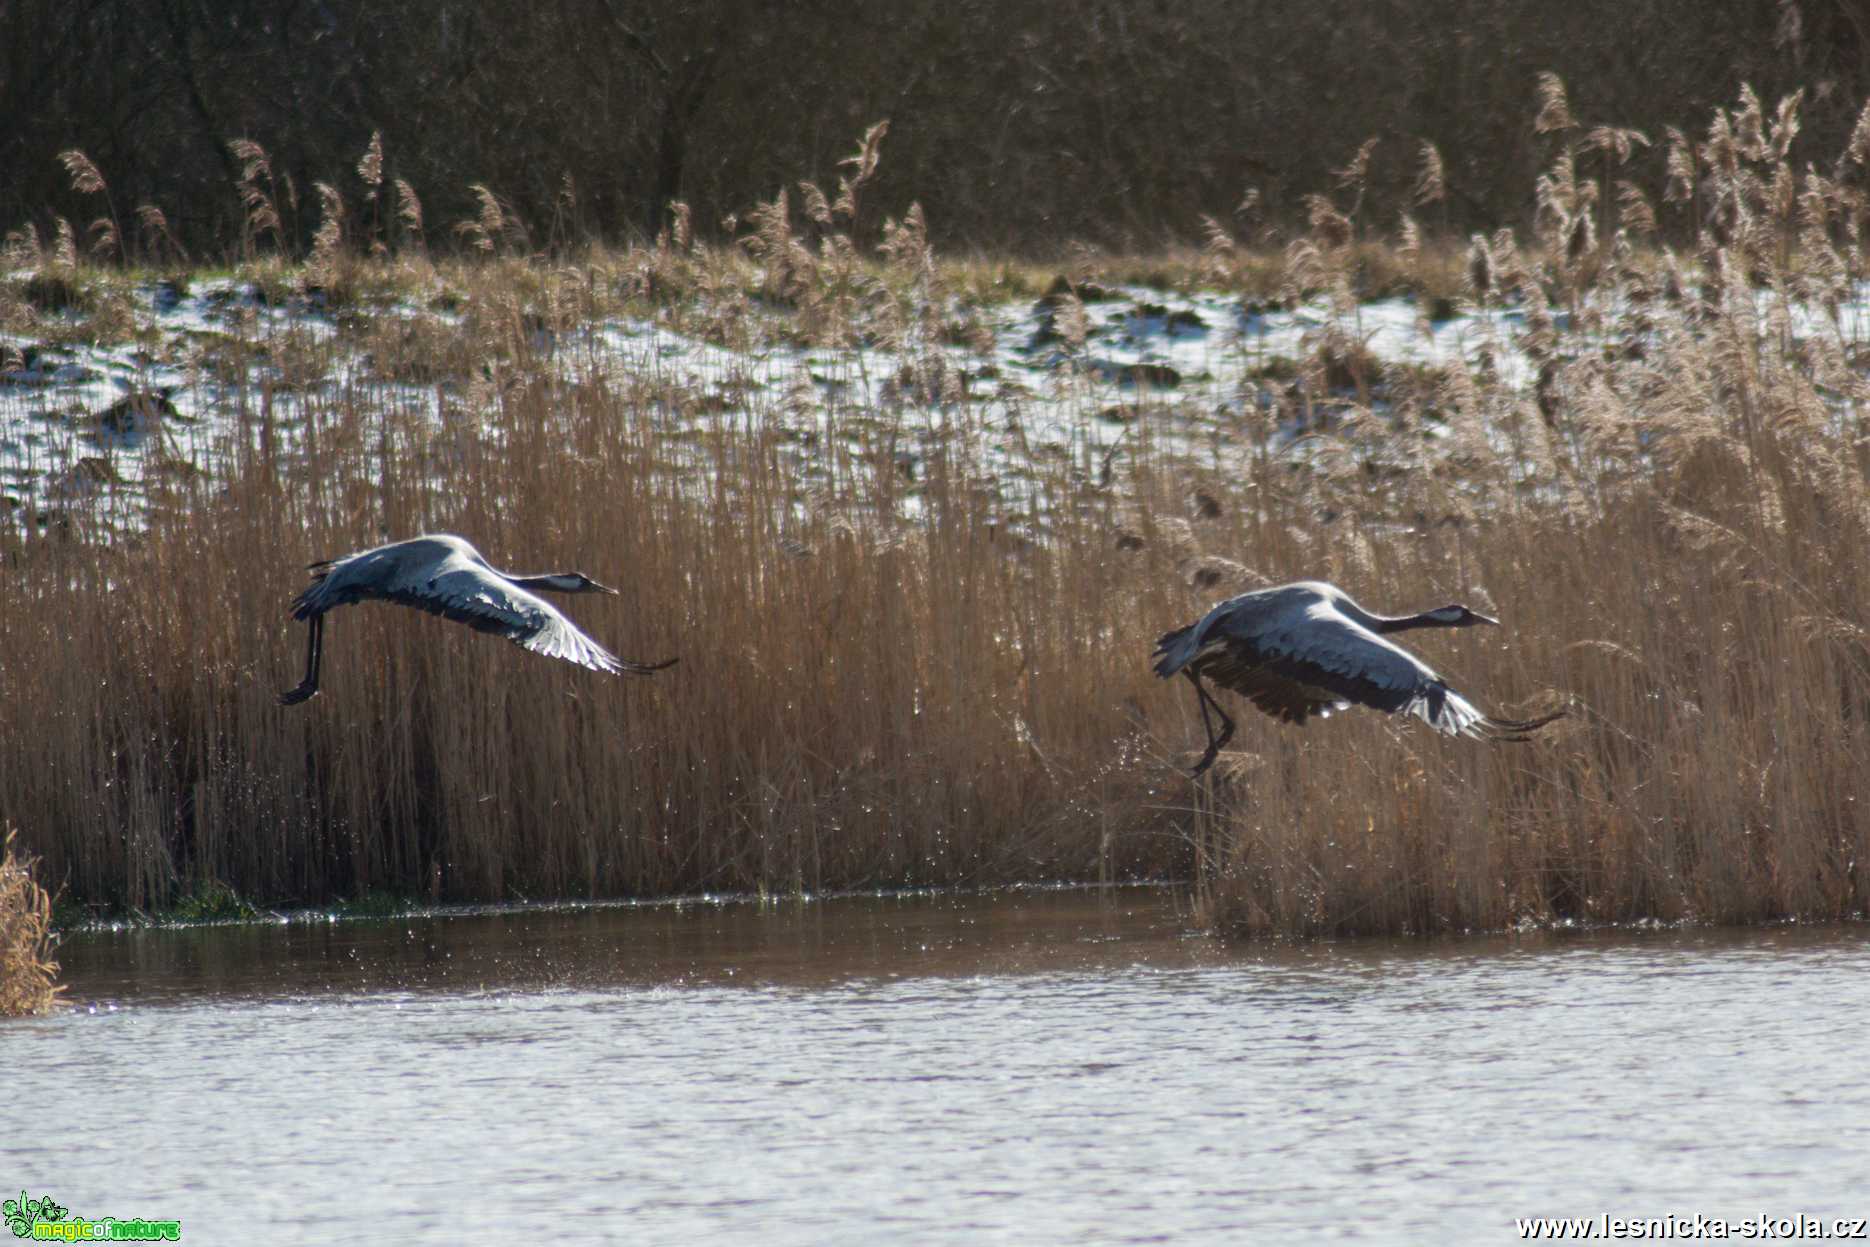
(554, 582)
(1394, 623)
(1402, 623)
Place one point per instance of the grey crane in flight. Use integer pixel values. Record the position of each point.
(1306, 648)
(446, 576)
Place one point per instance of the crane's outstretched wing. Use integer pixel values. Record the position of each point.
(467, 596)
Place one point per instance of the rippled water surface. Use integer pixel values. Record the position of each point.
(1037, 1067)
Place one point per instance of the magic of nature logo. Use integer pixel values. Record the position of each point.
(46, 1220)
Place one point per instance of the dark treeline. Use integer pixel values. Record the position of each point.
(1018, 124)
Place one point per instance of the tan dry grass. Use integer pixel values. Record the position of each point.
(944, 679)
(1673, 527)
(28, 973)
(896, 706)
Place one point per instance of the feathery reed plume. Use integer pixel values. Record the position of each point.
(1857, 151)
(1330, 227)
(1554, 108)
(786, 263)
(260, 202)
(370, 164)
(906, 245)
(86, 179)
(681, 226)
(1617, 143)
(1073, 325)
(370, 172)
(1479, 268)
(1218, 251)
(1354, 177)
(328, 241)
(863, 165)
(1555, 200)
(1356, 174)
(817, 207)
(22, 248)
(1634, 209)
(1749, 125)
(65, 245)
(492, 224)
(1306, 270)
(1785, 125)
(104, 238)
(156, 234)
(1580, 238)
(1431, 185)
(409, 209)
(1683, 170)
(492, 217)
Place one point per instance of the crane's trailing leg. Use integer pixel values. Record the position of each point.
(314, 645)
(1215, 743)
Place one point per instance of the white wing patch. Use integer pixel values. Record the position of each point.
(560, 638)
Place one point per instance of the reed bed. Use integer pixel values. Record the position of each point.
(28, 973)
(931, 668)
(865, 698)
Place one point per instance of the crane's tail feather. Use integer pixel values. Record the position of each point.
(1173, 651)
(309, 602)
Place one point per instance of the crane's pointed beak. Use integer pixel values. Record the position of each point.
(598, 588)
(1486, 619)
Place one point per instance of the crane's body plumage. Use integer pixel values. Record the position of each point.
(447, 576)
(1307, 648)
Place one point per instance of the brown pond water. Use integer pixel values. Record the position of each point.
(1029, 1067)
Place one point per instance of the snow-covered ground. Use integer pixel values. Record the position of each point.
(92, 429)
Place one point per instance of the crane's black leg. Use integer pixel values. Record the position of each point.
(314, 650)
(1201, 703)
(1215, 744)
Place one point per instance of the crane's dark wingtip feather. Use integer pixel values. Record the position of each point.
(293, 696)
(1518, 731)
(645, 668)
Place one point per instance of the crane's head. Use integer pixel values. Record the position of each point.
(1456, 615)
(584, 584)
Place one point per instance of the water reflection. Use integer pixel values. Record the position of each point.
(733, 941)
(1039, 1066)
